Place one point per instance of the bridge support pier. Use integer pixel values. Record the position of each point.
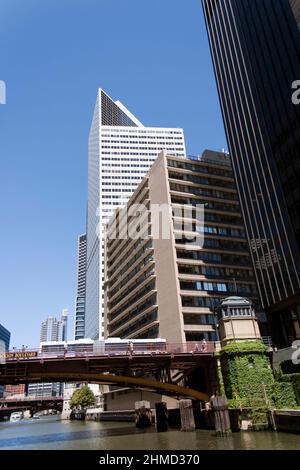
(28, 414)
(161, 417)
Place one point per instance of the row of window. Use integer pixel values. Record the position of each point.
(210, 180)
(136, 136)
(128, 166)
(212, 271)
(127, 171)
(223, 231)
(203, 286)
(200, 168)
(138, 131)
(207, 204)
(116, 184)
(217, 287)
(203, 192)
(199, 336)
(214, 244)
(127, 159)
(137, 144)
(120, 178)
(204, 302)
(191, 319)
(106, 152)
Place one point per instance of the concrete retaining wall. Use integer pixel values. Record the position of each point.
(287, 420)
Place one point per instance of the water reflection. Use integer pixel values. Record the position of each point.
(50, 433)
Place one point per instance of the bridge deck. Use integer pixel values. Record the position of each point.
(137, 370)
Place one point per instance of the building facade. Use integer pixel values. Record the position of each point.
(121, 151)
(4, 346)
(4, 338)
(81, 288)
(17, 391)
(51, 330)
(255, 46)
(167, 283)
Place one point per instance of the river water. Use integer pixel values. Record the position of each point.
(51, 433)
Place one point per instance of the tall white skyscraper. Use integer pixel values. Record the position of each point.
(121, 151)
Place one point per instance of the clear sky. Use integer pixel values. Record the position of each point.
(153, 55)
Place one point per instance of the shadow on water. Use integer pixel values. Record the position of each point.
(70, 436)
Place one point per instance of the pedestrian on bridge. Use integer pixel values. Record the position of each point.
(130, 348)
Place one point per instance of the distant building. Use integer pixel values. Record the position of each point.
(4, 346)
(121, 151)
(4, 338)
(81, 288)
(51, 330)
(15, 390)
(168, 286)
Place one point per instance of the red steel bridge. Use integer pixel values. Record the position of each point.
(180, 370)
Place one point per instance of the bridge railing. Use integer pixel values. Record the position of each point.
(29, 399)
(190, 347)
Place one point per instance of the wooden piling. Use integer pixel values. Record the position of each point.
(161, 417)
(221, 415)
(187, 415)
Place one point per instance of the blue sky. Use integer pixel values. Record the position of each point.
(153, 55)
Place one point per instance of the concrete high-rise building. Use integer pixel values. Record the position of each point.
(121, 151)
(53, 329)
(167, 284)
(255, 47)
(4, 346)
(81, 287)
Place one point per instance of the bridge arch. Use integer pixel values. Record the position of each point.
(111, 379)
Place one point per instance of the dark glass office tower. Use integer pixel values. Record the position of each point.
(4, 346)
(255, 46)
(81, 288)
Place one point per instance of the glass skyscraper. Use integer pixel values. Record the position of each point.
(255, 45)
(4, 338)
(81, 285)
(121, 151)
(4, 346)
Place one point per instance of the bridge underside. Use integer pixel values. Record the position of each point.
(167, 374)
